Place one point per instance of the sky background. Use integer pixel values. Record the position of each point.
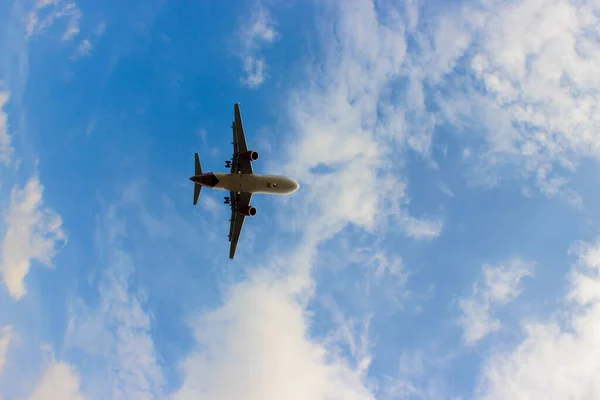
(444, 243)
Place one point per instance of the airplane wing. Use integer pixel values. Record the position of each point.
(237, 220)
(239, 144)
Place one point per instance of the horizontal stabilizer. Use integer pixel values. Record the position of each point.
(197, 188)
(198, 166)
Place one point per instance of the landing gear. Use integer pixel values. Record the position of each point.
(227, 164)
(227, 200)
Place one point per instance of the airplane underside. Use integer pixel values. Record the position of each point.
(249, 183)
(241, 182)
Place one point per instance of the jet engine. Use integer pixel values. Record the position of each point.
(250, 155)
(248, 211)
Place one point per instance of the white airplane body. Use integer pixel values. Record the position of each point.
(241, 182)
(255, 183)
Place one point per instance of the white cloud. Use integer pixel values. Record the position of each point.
(421, 228)
(117, 331)
(210, 204)
(6, 150)
(384, 274)
(6, 335)
(75, 15)
(255, 347)
(58, 381)
(256, 33)
(559, 358)
(501, 285)
(53, 10)
(32, 233)
(349, 333)
(353, 128)
(476, 320)
(532, 84)
(100, 29)
(445, 189)
(419, 375)
(84, 49)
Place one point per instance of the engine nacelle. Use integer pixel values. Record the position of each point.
(250, 155)
(248, 211)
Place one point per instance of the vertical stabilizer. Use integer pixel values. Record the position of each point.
(197, 186)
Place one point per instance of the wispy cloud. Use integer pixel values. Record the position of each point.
(100, 29)
(6, 149)
(210, 205)
(558, 358)
(382, 273)
(256, 32)
(117, 331)
(6, 334)
(411, 365)
(421, 228)
(53, 10)
(32, 233)
(500, 284)
(445, 189)
(352, 334)
(84, 49)
(419, 376)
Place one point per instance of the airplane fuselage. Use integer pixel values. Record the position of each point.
(249, 183)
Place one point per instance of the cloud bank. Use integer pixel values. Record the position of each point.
(523, 73)
(257, 346)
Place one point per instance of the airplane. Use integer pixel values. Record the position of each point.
(241, 181)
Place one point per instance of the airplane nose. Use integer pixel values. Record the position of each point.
(195, 179)
(294, 186)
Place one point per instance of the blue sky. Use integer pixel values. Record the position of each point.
(444, 243)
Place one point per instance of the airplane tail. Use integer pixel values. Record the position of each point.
(197, 186)
(198, 166)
